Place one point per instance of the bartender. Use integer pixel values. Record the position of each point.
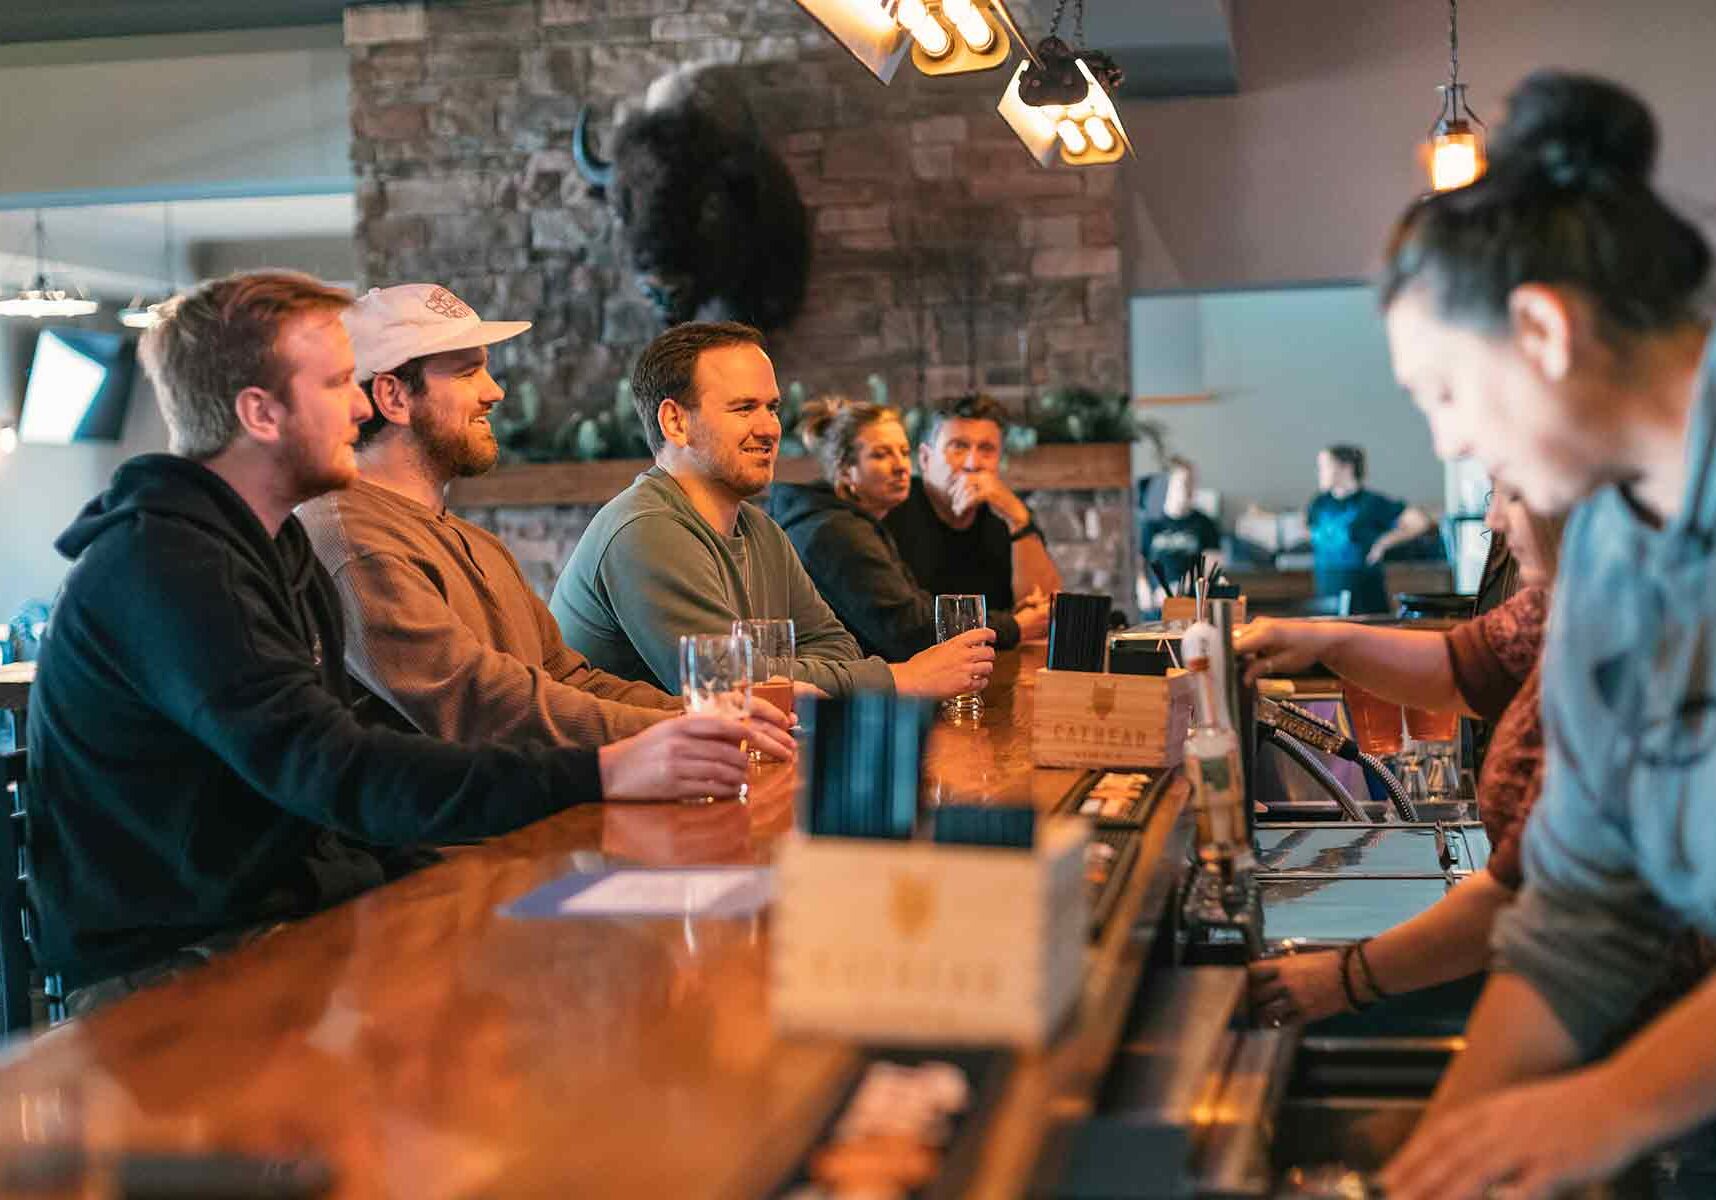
(1352, 528)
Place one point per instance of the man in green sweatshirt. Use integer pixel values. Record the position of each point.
(681, 551)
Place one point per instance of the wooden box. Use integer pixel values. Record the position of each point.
(917, 942)
(1082, 719)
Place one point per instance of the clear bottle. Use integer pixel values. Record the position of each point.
(1213, 764)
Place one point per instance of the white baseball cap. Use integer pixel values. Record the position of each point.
(389, 326)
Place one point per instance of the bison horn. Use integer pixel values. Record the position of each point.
(596, 173)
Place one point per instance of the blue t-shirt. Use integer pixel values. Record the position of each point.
(1342, 533)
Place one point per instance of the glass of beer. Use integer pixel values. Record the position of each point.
(954, 615)
(1438, 735)
(1376, 722)
(715, 678)
(774, 653)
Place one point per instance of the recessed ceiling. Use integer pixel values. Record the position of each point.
(114, 251)
(57, 20)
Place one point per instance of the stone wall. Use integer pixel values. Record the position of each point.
(1089, 534)
(943, 258)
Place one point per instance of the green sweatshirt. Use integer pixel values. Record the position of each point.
(650, 568)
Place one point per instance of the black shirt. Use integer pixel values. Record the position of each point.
(1171, 545)
(945, 560)
(195, 768)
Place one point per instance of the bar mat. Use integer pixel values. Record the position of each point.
(910, 1122)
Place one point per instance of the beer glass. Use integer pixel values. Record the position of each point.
(773, 656)
(715, 678)
(954, 615)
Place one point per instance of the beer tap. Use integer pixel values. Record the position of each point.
(1222, 912)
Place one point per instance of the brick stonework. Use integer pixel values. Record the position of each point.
(943, 258)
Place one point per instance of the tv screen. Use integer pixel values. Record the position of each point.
(78, 386)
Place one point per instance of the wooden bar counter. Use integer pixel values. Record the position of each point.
(428, 1046)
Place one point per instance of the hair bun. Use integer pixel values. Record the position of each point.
(1577, 128)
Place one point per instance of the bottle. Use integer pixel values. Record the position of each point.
(1212, 761)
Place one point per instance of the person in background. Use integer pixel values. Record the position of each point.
(440, 622)
(837, 528)
(196, 773)
(1173, 543)
(961, 529)
(1551, 322)
(682, 551)
(1352, 528)
(1490, 668)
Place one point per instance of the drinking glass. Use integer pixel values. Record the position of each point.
(1376, 722)
(715, 678)
(773, 656)
(1438, 736)
(954, 615)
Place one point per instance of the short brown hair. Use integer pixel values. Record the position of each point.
(665, 369)
(410, 373)
(218, 339)
(973, 406)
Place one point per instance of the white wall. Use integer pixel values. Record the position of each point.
(258, 106)
(1291, 371)
(1300, 175)
(43, 487)
(265, 107)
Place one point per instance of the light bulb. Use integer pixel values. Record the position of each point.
(1100, 136)
(957, 10)
(911, 13)
(976, 32)
(1072, 137)
(1453, 162)
(934, 39)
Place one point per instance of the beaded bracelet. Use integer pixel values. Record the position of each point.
(1353, 1002)
(1369, 975)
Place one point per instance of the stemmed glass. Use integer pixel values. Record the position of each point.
(715, 671)
(773, 656)
(954, 615)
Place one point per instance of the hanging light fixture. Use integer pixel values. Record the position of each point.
(1454, 153)
(1061, 101)
(943, 37)
(137, 314)
(40, 300)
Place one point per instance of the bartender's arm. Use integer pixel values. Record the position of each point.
(1404, 666)
(1579, 1127)
(1413, 522)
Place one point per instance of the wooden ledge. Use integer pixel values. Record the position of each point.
(1090, 466)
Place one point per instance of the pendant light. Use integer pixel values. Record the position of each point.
(1061, 102)
(137, 314)
(41, 300)
(1454, 153)
(942, 37)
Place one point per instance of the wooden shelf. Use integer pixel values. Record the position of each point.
(1095, 465)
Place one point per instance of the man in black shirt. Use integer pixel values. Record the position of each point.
(962, 530)
(1173, 542)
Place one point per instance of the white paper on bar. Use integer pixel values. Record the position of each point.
(657, 893)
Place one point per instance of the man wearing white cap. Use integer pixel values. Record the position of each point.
(441, 624)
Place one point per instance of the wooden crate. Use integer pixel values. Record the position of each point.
(923, 943)
(1082, 719)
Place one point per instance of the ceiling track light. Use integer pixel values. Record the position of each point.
(1060, 107)
(1453, 154)
(942, 37)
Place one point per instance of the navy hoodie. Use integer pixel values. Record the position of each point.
(195, 767)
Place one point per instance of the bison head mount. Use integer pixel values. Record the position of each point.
(710, 220)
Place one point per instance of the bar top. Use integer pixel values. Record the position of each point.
(429, 1046)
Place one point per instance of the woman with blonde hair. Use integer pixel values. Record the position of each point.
(836, 527)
